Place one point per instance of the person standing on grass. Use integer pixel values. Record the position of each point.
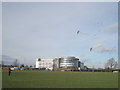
(9, 71)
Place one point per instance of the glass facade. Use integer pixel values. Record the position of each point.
(68, 62)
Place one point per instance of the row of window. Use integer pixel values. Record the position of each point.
(70, 61)
(68, 64)
(44, 63)
(68, 67)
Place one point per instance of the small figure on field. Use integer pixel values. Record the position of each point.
(9, 71)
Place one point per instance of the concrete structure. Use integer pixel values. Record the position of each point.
(44, 63)
(61, 63)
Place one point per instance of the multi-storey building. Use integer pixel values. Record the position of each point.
(44, 63)
(61, 63)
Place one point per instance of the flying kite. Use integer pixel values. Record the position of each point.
(90, 49)
(78, 32)
(81, 32)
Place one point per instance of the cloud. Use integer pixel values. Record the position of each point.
(102, 48)
(111, 29)
(7, 59)
(98, 45)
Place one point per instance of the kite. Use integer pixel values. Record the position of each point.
(78, 32)
(90, 49)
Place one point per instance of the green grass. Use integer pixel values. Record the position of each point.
(58, 79)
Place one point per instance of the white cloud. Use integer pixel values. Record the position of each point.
(102, 48)
(98, 45)
(111, 29)
(109, 50)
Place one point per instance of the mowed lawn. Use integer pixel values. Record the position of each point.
(59, 79)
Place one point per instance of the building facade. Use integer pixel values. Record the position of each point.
(44, 63)
(66, 63)
(61, 63)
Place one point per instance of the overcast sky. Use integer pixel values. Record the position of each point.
(49, 30)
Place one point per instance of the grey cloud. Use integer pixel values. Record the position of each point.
(7, 59)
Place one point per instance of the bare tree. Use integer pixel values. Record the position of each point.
(111, 63)
(116, 65)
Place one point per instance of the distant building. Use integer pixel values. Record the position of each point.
(82, 65)
(66, 63)
(61, 63)
(44, 63)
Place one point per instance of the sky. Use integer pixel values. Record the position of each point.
(49, 29)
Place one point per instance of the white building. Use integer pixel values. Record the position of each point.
(44, 63)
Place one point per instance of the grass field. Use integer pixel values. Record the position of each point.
(58, 79)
